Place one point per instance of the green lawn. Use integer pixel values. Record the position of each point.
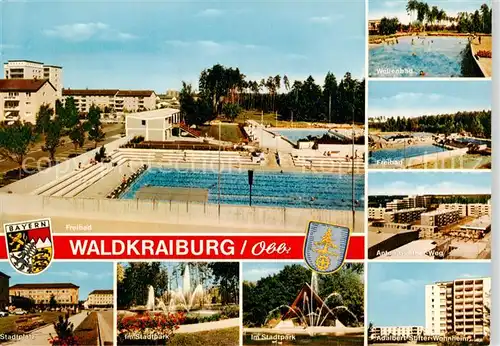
(86, 333)
(229, 133)
(8, 325)
(219, 337)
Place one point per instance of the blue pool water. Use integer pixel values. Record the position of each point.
(399, 154)
(440, 58)
(293, 135)
(270, 189)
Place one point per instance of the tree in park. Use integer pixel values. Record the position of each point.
(16, 141)
(53, 138)
(231, 111)
(226, 274)
(68, 114)
(43, 118)
(93, 125)
(52, 302)
(77, 136)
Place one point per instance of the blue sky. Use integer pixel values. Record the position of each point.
(419, 183)
(88, 275)
(396, 291)
(255, 271)
(156, 44)
(417, 98)
(397, 8)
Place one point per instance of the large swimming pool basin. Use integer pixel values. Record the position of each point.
(435, 56)
(271, 189)
(293, 135)
(384, 155)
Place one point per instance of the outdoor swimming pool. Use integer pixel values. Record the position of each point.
(270, 189)
(436, 56)
(399, 154)
(293, 135)
(477, 141)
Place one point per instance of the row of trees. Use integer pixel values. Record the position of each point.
(282, 288)
(476, 123)
(135, 278)
(378, 201)
(16, 140)
(222, 88)
(479, 21)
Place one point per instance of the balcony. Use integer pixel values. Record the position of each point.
(11, 105)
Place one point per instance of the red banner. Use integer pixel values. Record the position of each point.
(152, 247)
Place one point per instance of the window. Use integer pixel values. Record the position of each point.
(143, 122)
(28, 94)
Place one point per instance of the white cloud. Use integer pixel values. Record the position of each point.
(79, 32)
(255, 274)
(325, 19)
(211, 12)
(400, 287)
(392, 4)
(210, 46)
(442, 188)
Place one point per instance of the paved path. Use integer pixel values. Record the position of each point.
(42, 335)
(106, 326)
(484, 63)
(202, 327)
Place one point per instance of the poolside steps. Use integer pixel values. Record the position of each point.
(67, 189)
(322, 161)
(61, 183)
(88, 182)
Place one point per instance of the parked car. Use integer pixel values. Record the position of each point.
(4, 314)
(19, 312)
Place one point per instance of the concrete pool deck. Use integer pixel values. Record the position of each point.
(485, 64)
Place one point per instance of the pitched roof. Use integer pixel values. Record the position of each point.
(101, 292)
(135, 93)
(23, 85)
(89, 92)
(45, 285)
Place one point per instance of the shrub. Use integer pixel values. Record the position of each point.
(484, 54)
(64, 331)
(230, 311)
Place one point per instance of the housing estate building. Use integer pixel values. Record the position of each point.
(458, 306)
(26, 69)
(65, 294)
(20, 99)
(100, 299)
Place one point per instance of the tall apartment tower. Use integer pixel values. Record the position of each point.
(458, 306)
(25, 69)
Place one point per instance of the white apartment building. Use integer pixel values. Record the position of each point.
(410, 202)
(403, 215)
(457, 306)
(100, 298)
(20, 99)
(376, 213)
(112, 100)
(25, 69)
(440, 217)
(462, 208)
(400, 332)
(473, 209)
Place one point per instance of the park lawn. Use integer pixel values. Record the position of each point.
(8, 325)
(219, 337)
(229, 132)
(87, 332)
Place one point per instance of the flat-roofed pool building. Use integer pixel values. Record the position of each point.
(154, 125)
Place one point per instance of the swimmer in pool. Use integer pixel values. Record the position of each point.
(422, 73)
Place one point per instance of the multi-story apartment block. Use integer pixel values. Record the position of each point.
(440, 217)
(462, 208)
(25, 69)
(458, 306)
(65, 294)
(404, 215)
(410, 202)
(399, 332)
(20, 99)
(479, 209)
(376, 213)
(112, 100)
(100, 298)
